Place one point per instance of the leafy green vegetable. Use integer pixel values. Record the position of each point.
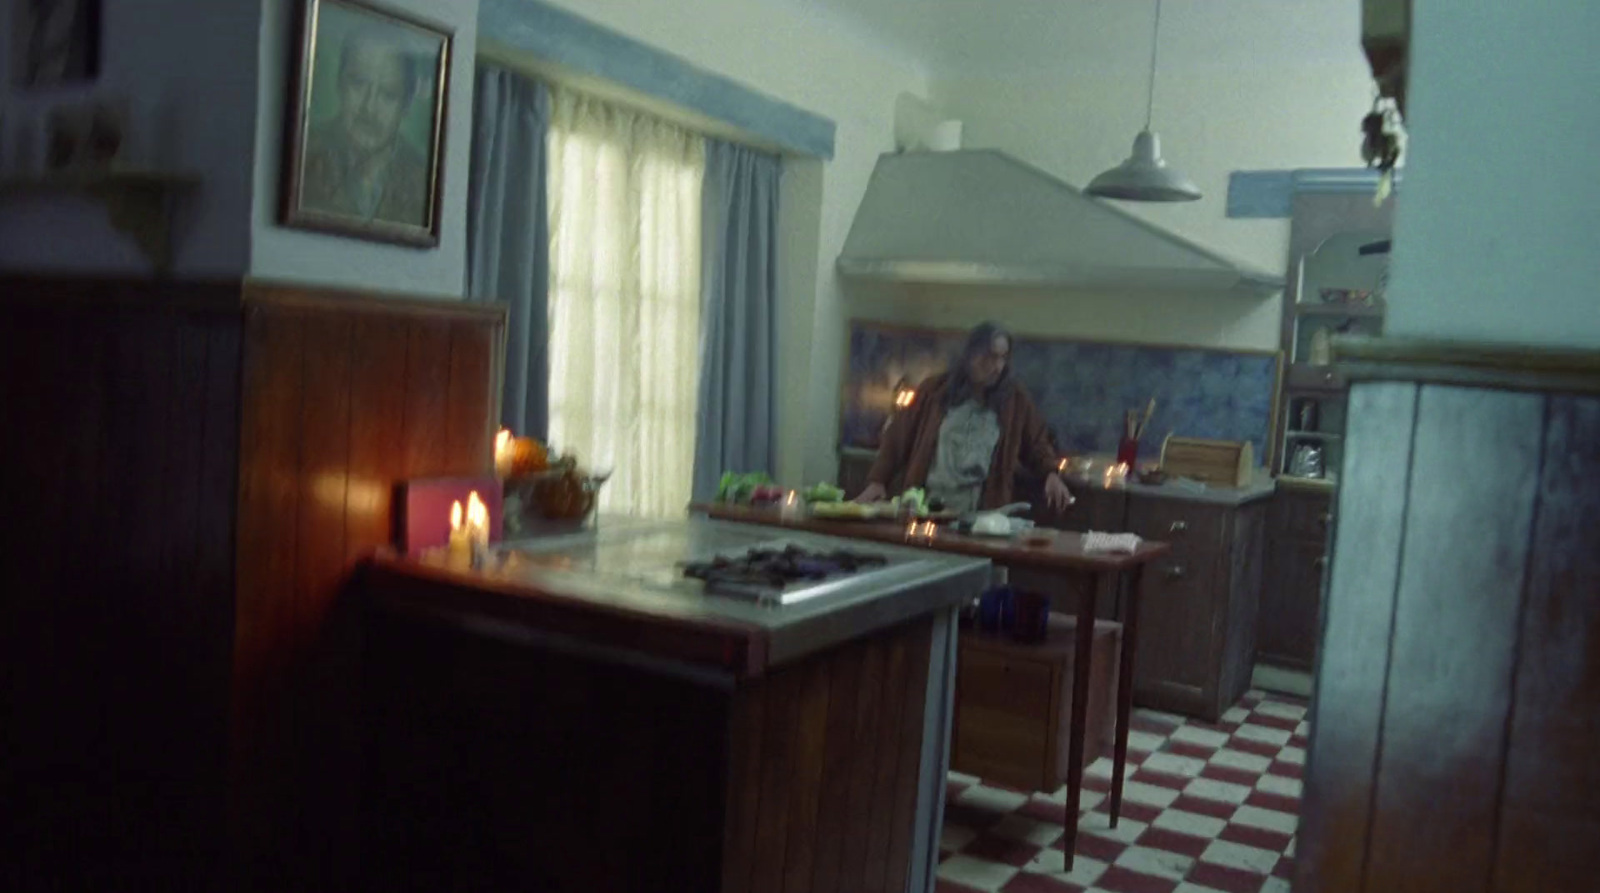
(736, 487)
(915, 501)
(824, 493)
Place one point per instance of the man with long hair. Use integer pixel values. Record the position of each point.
(968, 432)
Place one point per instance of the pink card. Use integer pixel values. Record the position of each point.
(425, 509)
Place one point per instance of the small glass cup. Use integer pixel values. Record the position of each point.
(1128, 451)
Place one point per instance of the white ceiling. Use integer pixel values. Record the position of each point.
(952, 36)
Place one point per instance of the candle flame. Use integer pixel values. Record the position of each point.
(502, 441)
(477, 512)
(455, 515)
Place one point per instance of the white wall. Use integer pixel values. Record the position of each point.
(303, 256)
(1243, 84)
(1496, 238)
(1146, 317)
(795, 51)
(197, 116)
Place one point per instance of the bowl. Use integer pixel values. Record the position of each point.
(1152, 476)
(555, 499)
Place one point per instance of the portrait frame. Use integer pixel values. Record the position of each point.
(308, 199)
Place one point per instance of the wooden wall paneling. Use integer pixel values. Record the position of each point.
(134, 620)
(319, 717)
(1551, 822)
(474, 414)
(1456, 616)
(841, 767)
(45, 720)
(909, 765)
(194, 617)
(1353, 667)
(427, 393)
(272, 413)
(217, 470)
(377, 431)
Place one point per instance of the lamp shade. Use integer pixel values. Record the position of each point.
(1144, 177)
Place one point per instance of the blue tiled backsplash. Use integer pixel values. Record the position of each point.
(1082, 387)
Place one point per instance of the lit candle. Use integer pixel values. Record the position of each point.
(502, 454)
(477, 528)
(459, 550)
(793, 509)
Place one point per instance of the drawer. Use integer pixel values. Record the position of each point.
(1007, 685)
(1194, 531)
(1302, 516)
(1180, 624)
(1002, 747)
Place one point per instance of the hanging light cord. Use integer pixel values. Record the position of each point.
(1155, 41)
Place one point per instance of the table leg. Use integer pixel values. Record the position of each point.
(1130, 642)
(1081, 661)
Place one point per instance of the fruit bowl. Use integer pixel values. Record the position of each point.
(559, 498)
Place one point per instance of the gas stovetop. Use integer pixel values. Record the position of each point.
(764, 574)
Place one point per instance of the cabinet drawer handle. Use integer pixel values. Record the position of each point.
(1321, 562)
(1178, 526)
(1176, 572)
(1325, 518)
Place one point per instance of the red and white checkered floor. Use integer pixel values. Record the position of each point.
(1206, 809)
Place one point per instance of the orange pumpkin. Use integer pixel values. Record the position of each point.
(528, 456)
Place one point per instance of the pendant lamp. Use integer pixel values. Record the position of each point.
(1145, 177)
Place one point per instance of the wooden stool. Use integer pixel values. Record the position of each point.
(1013, 704)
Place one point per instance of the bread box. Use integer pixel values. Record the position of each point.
(1223, 463)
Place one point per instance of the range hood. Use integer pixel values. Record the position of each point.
(981, 217)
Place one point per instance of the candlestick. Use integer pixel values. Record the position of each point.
(792, 509)
(458, 552)
(477, 529)
(502, 454)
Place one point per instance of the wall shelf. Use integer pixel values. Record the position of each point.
(139, 203)
(1374, 310)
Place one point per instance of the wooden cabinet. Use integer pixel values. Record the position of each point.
(1198, 604)
(1386, 38)
(1012, 713)
(1291, 598)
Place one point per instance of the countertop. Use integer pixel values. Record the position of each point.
(1207, 494)
(1263, 487)
(1061, 550)
(618, 589)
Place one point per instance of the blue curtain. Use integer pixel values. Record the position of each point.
(739, 274)
(508, 234)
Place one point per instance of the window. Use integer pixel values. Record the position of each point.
(624, 309)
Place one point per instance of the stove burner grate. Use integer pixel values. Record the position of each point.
(774, 569)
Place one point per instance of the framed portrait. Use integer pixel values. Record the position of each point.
(54, 42)
(365, 141)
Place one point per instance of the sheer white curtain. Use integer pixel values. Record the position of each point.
(625, 207)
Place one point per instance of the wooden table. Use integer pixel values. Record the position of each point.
(1063, 557)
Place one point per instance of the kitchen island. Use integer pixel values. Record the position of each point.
(576, 715)
(1075, 576)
